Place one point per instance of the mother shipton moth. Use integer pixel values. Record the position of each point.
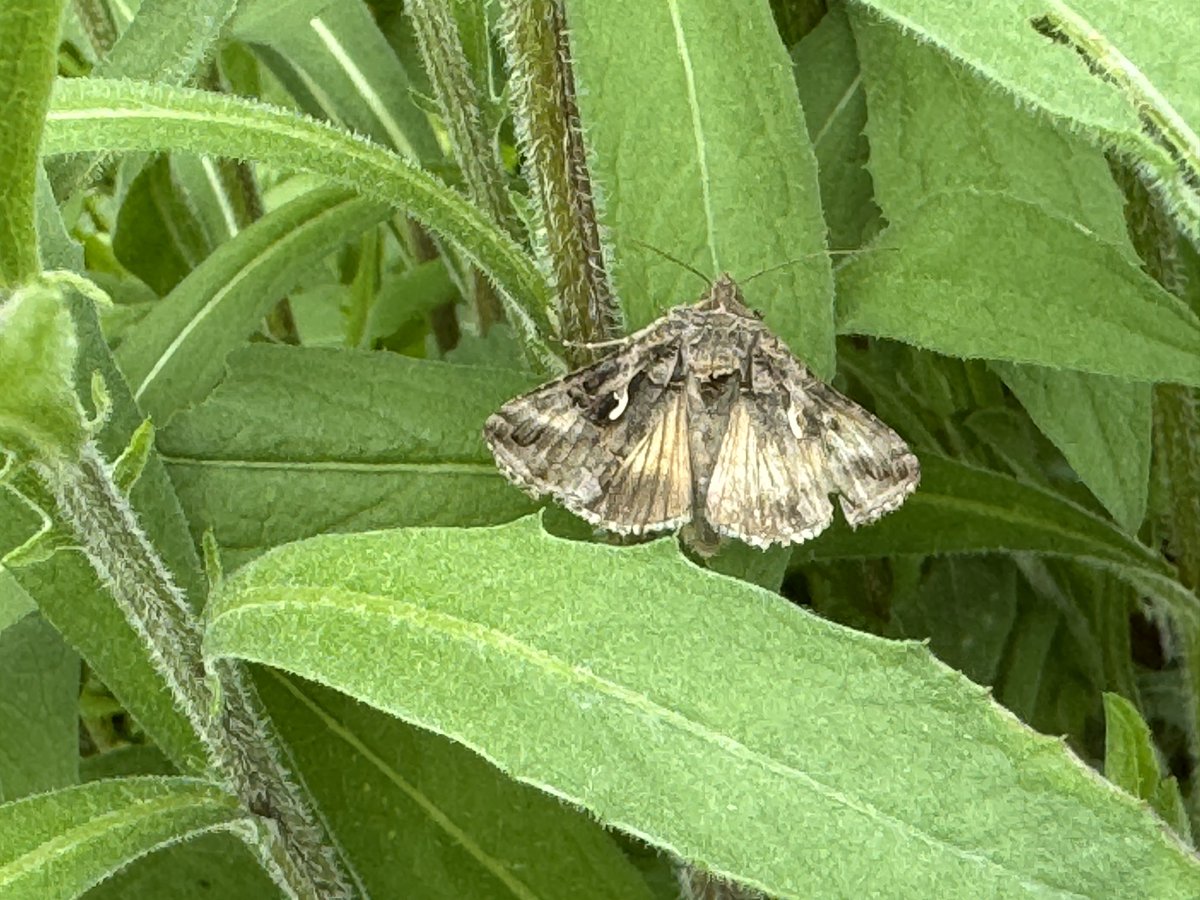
(706, 417)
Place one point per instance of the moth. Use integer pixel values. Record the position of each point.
(703, 417)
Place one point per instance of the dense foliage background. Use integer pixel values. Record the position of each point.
(269, 613)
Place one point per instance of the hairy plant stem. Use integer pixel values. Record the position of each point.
(462, 112)
(548, 129)
(244, 751)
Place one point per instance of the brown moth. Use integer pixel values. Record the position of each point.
(703, 417)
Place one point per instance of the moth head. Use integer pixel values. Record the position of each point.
(726, 296)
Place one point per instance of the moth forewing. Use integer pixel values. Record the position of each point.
(704, 416)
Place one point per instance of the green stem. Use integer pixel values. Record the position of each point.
(243, 749)
(462, 112)
(29, 36)
(548, 128)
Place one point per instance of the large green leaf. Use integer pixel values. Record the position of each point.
(1123, 73)
(962, 509)
(934, 122)
(297, 442)
(705, 714)
(59, 844)
(934, 286)
(468, 830)
(703, 153)
(180, 348)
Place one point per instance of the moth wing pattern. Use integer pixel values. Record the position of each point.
(791, 441)
(767, 487)
(609, 441)
(651, 488)
(869, 466)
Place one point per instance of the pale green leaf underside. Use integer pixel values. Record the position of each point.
(59, 844)
(703, 713)
(703, 153)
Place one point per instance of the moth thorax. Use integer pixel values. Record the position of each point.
(721, 346)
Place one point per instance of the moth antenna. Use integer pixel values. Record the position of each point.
(708, 282)
(788, 262)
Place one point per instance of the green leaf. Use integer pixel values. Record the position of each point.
(468, 830)
(39, 413)
(704, 154)
(835, 110)
(935, 287)
(256, 20)
(933, 122)
(39, 710)
(182, 343)
(158, 236)
(15, 604)
(1123, 74)
(962, 509)
(59, 844)
(207, 866)
(1102, 427)
(1131, 761)
(297, 442)
(58, 249)
(93, 114)
(705, 714)
(408, 295)
(340, 68)
(167, 40)
(936, 125)
(29, 32)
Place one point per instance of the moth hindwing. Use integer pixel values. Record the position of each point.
(704, 416)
